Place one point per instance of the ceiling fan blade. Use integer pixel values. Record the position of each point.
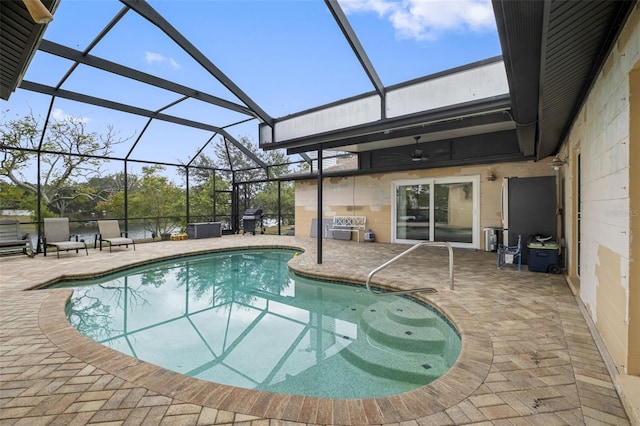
(395, 155)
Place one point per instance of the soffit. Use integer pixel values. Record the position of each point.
(553, 52)
(18, 42)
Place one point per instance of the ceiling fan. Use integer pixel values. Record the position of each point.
(416, 156)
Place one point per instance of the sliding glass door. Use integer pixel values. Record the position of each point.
(444, 209)
(412, 212)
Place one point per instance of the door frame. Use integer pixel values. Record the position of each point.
(432, 181)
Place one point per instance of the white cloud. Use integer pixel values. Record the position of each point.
(428, 19)
(152, 57)
(59, 115)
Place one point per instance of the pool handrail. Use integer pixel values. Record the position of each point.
(415, 290)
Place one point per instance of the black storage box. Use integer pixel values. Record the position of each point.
(542, 256)
(204, 230)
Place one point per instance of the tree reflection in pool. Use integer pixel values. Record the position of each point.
(241, 318)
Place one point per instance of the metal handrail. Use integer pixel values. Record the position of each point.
(429, 289)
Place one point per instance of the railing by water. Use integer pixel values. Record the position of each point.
(401, 255)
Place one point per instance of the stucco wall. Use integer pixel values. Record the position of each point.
(601, 135)
(370, 195)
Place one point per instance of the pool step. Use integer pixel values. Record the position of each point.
(400, 325)
(411, 367)
(399, 341)
(410, 313)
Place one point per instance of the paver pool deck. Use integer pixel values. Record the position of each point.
(527, 353)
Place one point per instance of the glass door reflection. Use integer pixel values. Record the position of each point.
(453, 212)
(412, 212)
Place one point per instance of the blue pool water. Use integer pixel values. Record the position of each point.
(242, 318)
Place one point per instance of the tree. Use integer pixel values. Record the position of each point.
(255, 190)
(201, 198)
(154, 198)
(230, 157)
(246, 170)
(109, 192)
(267, 199)
(13, 197)
(78, 159)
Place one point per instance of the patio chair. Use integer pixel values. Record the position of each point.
(110, 233)
(12, 239)
(56, 234)
(510, 254)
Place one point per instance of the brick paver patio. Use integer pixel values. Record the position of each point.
(527, 357)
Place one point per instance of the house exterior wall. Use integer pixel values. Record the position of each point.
(606, 135)
(370, 195)
(601, 134)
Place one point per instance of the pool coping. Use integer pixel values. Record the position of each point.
(458, 383)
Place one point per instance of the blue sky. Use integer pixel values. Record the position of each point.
(287, 55)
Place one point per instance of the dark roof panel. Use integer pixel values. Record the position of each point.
(553, 51)
(579, 36)
(20, 37)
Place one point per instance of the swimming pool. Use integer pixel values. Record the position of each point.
(241, 318)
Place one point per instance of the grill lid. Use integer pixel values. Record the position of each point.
(253, 212)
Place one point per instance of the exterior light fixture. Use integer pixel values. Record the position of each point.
(39, 13)
(491, 176)
(558, 161)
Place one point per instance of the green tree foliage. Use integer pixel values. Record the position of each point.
(267, 199)
(13, 197)
(153, 197)
(258, 194)
(202, 198)
(60, 173)
(108, 191)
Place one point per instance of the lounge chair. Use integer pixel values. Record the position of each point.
(11, 238)
(56, 234)
(110, 233)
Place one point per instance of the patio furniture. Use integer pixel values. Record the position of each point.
(110, 233)
(346, 224)
(11, 238)
(510, 254)
(56, 234)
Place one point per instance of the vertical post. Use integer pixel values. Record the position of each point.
(186, 174)
(39, 180)
(235, 200)
(39, 208)
(279, 210)
(126, 199)
(319, 220)
(214, 194)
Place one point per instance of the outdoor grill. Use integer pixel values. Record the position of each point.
(251, 220)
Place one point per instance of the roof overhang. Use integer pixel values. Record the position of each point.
(553, 52)
(465, 100)
(19, 42)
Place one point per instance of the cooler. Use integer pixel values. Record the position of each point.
(543, 256)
